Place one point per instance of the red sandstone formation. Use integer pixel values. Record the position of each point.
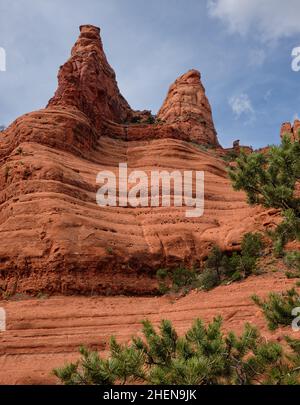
(87, 82)
(55, 238)
(188, 108)
(46, 333)
(292, 131)
(236, 150)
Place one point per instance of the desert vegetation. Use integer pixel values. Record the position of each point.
(292, 260)
(223, 268)
(205, 355)
(220, 268)
(180, 279)
(277, 307)
(270, 180)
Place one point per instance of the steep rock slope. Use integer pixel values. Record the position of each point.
(56, 238)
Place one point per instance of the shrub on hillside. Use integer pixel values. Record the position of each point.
(292, 260)
(231, 156)
(277, 308)
(150, 120)
(179, 279)
(209, 279)
(220, 267)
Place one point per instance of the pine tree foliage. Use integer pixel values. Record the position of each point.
(205, 355)
(220, 267)
(180, 279)
(270, 180)
(292, 260)
(277, 308)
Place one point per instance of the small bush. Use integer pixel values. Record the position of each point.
(237, 276)
(209, 279)
(182, 277)
(292, 260)
(109, 250)
(231, 156)
(288, 229)
(225, 268)
(26, 173)
(162, 274)
(219, 268)
(278, 247)
(135, 120)
(150, 120)
(214, 261)
(176, 280)
(252, 245)
(277, 308)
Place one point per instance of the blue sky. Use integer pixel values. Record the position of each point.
(241, 47)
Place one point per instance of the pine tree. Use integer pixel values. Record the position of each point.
(292, 260)
(220, 267)
(277, 307)
(270, 180)
(205, 355)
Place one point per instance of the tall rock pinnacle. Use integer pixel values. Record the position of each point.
(187, 106)
(87, 81)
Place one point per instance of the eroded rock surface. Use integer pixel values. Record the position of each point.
(87, 81)
(292, 131)
(55, 238)
(187, 106)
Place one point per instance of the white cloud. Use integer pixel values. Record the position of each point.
(267, 95)
(257, 57)
(241, 105)
(270, 20)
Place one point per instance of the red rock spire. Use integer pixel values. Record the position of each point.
(87, 81)
(187, 105)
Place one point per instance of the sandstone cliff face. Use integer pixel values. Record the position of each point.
(55, 238)
(187, 106)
